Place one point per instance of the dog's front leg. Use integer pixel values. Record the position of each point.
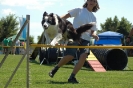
(56, 39)
(47, 41)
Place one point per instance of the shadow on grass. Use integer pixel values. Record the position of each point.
(67, 67)
(127, 70)
(84, 68)
(57, 82)
(34, 61)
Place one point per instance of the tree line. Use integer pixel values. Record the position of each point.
(122, 26)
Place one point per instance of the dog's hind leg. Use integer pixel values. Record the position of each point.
(56, 39)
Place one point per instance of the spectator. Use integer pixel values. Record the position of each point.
(130, 35)
(17, 46)
(5, 44)
(128, 40)
(0, 48)
(10, 44)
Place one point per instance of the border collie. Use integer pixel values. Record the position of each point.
(56, 29)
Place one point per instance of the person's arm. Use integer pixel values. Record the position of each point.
(66, 16)
(94, 35)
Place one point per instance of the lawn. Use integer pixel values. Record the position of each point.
(39, 76)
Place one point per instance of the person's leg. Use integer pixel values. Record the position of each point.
(18, 50)
(78, 66)
(11, 49)
(80, 63)
(6, 49)
(63, 61)
(69, 55)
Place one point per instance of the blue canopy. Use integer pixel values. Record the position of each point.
(110, 34)
(109, 38)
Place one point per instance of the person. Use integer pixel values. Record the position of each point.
(5, 44)
(10, 44)
(128, 39)
(81, 16)
(17, 46)
(0, 48)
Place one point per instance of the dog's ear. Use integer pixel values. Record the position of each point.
(45, 13)
(51, 14)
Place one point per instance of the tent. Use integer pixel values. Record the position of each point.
(109, 38)
(14, 36)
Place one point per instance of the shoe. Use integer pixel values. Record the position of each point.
(72, 80)
(52, 73)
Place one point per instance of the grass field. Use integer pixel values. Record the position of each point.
(39, 76)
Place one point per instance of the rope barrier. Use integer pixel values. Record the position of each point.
(64, 46)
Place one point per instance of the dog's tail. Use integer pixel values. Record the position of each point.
(84, 28)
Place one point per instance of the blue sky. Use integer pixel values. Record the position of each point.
(35, 8)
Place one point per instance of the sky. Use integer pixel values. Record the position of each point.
(35, 8)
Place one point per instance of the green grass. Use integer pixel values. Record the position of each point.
(39, 76)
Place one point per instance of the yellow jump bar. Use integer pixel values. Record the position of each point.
(61, 46)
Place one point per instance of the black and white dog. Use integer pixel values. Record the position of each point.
(56, 29)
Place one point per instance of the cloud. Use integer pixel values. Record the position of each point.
(30, 4)
(7, 11)
(36, 28)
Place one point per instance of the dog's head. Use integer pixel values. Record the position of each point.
(49, 20)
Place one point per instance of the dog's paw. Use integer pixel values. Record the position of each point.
(53, 43)
(70, 41)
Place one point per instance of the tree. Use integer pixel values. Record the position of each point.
(1, 31)
(110, 25)
(8, 26)
(123, 26)
(38, 38)
(31, 39)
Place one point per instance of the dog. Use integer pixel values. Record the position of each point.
(56, 29)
